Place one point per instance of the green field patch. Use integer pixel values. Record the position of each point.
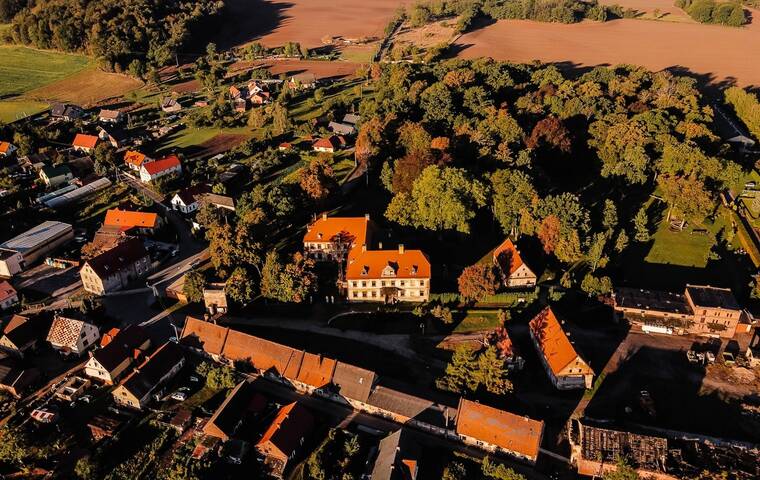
(12, 110)
(688, 248)
(24, 69)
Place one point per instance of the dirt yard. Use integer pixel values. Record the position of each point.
(275, 22)
(86, 88)
(715, 53)
(333, 70)
(221, 143)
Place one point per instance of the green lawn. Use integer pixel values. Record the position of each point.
(12, 110)
(476, 321)
(683, 248)
(24, 69)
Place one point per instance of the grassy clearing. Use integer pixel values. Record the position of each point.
(477, 320)
(24, 69)
(12, 110)
(192, 136)
(86, 87)
(359, 54)
(684, 248)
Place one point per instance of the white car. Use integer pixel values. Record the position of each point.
(179, 396)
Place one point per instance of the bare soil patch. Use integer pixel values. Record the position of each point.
(188, 86)
(322, 70)
(667, 9)
(427, 35)
(275, 22)
(221, 143)
(86, 88)
(715, 53)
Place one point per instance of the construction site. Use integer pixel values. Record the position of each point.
(596, 447)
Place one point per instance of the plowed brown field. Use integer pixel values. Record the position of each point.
(716, 53)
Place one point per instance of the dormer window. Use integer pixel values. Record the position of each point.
(414, 270)
(365, 270)
(319, 235)
(389, 270)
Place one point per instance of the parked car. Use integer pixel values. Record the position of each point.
(179, 396)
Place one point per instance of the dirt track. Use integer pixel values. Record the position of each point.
(716, 53)
(291, 67)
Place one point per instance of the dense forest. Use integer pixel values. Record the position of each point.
(123, 34)
(571, 162)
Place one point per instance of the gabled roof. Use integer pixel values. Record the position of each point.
(353, 382)
(552, 340)
(712, 297)
(506, 257)
(165, 163)
(396, 456)
(351, 118)
(192, 194)
(21, 330)
(127, 219)
(204, 336)
(6, 291)
(109, 114)
(388, 264)
(497, 427)
(329, 142)
(52, 171)
(119, 257)
(220, 201)
(145, 378)
(121, 347)
(240, 401)
(316, 370)
(135, 158)
(85, 141)
(66, 331)
(292, 423)
(326, 229)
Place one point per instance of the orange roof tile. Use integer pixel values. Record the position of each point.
(388, 263)
(128, 219)
(85, 141)
(4, 147)
(163, 164)
(263, 354)
(335, 229)
(555, 345)
(204, 335)
(6, 290)
(507, 252)
(292, 423)
(497, 427)
(316, 370)
(135, 158)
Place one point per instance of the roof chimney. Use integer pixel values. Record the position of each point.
(324, 216)
(400, 248)
(366, 216)
(364, 247)
(379, 245)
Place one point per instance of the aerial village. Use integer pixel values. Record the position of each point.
(421, 269)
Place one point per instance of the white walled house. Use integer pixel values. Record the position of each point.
(188, 199)
(170, 165)
(71, 336)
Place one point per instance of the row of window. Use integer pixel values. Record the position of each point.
(387, 283)
(377, 294)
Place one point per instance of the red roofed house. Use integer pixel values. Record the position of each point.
(160, 168)
(7, 149)
(566, 369)
(146, 381)
(135, 160)
(499, 431)
(333, 238)
(126, 220)
(113, 359)
(284, 436)
(514, 272)
(8, 295)
(84, 143)
(329, 144)
(388, 276)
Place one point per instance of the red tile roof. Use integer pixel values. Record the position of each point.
(283, 436)
(6, 291)
(389, 264)
(85, 141)
(203, 335)
(512, 432)
(352, 230)
(316, 370)
(553, 341)
(4, 147)
(507, 252)
(329, 143)
(134, 158)
(127, 219)
(163, 164)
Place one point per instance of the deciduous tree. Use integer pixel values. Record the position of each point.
(477, 281)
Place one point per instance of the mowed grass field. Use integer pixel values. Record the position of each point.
(24, 69)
